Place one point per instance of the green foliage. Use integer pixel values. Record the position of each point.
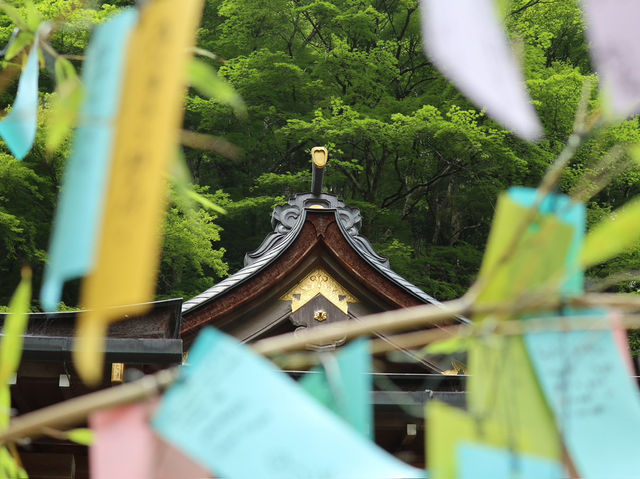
(27, 194)
(189, 263)
(405, 147)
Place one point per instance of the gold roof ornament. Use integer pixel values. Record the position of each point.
(319, 156)
(317, 282)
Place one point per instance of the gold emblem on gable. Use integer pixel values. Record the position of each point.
(317, 282)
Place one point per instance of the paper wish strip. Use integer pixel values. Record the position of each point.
(503, 386)
(458, 441)
(612, 28)
(75, 229)
(595, 401)
(478, 461)
(466, 42)
(18, 128)
(146, 141)
(234, 412)
(343, 384)
(125, 447)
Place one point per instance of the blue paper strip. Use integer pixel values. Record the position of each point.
(72, 248)
(595, 402)
(483, 462)
(18, 129)
(343, 384)
(237, 414)
(583, 374)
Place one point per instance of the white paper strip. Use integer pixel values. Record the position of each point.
(466, 42)
(615, 49)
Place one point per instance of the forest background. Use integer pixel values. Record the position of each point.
(423, 165)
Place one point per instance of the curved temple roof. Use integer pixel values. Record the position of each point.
(287, 221)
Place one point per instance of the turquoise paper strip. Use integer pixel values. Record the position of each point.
(476, 461)
(595, 401)
(343, 384)
(72, 248)
(583, 374)
(18, 129)
(235, 413)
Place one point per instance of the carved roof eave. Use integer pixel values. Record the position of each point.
(287, 221)
(278, 242)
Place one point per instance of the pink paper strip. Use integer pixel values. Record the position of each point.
(125, 447)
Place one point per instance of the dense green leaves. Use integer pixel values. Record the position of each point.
(405, 147)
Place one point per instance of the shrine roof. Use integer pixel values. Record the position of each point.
(287, 222)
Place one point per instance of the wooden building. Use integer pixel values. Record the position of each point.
(313, 268)
(135, 346)
(316, 268)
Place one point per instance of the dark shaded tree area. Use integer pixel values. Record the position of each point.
(423, 165)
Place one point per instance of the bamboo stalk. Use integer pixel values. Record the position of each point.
(416, 339)
(422, 338)
(390, 321)
(76, 410)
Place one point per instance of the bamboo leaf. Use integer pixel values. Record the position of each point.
(64, 71)
(612, 236)
(64, 111)
(5, 406)
(19, 43)
(14, 327)
(9, 467)
(33, 16)
(194, 195)
(449, 346)
(82, 436)
(206, 53)
(204, 78)
(185, 195)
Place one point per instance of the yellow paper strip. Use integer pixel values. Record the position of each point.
(448, 427)
(146, 141)
(503, 387)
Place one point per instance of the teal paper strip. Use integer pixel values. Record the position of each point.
(583, 374)
(18, 128)
(343, 384)
(235, 413)
(595, 402)
(72, 248)
(476, 461)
